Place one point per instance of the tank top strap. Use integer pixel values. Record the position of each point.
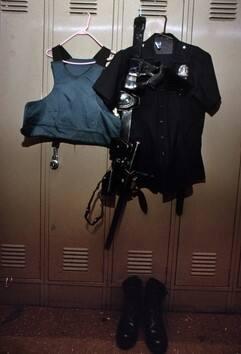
(101, 56)
(59, 53)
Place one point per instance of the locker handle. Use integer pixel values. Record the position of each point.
(8, 280)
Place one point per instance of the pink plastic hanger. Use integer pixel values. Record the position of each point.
(81, 32)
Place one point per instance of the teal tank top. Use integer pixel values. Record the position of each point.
(72, 111)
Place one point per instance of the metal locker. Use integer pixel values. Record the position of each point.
(239, 278)
(142, 241)
(236, 270)
(42, 223)
(238, 253)
(76, 251)
(205, 241)
(21, 67)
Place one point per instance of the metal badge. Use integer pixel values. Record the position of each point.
(183, 71)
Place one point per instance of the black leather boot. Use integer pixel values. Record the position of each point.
(129, 323)
(154, 328)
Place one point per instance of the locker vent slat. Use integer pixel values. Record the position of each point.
(153, 8)
(139, 262)
(204, 264)
(12, 256)
(223, 10)
(14, 5)
(83, 6)
(75, 259)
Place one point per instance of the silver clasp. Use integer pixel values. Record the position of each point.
(54, 163)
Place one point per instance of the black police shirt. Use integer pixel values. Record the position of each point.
(168, 124)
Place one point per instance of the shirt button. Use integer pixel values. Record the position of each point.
(161, 121)
(162, 137)
(163, 153)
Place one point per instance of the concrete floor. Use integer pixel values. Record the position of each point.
(25, 330)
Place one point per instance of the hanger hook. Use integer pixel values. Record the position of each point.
(88, 21)
(140, 11)
(165, 23)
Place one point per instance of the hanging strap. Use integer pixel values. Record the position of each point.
(59, 53)
(102, 56)
(91, 205)
(138, 34)
(179, 204)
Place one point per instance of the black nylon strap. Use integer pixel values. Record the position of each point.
(179, 205)
(138, 34)
(102, 56)
(59, 53)
(90, 205)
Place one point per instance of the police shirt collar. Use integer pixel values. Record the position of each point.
(180, 49)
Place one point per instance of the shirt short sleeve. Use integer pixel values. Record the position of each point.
(109, 83)
(206, 87)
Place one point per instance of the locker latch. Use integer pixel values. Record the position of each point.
(54, 163)
(8, 281)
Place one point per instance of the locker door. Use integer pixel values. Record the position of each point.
(236, 294)
(76, 250)
(239, 279)
(206, 233)
(236, 303)
(21, 38)
(141, 243)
